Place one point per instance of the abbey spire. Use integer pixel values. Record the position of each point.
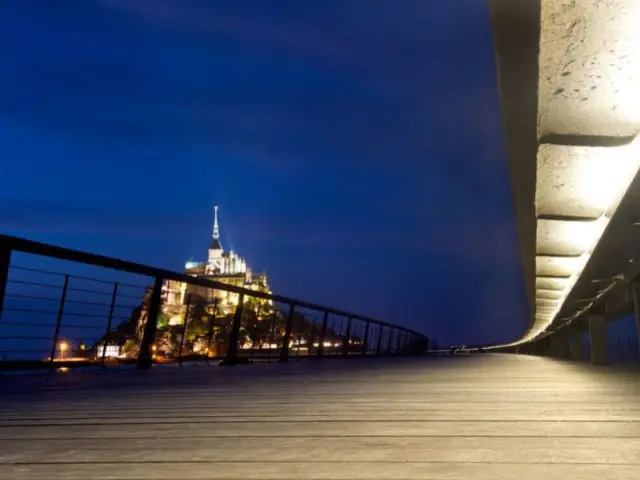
(215, 245)
(216, 229)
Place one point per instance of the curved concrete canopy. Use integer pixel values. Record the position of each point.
(569, 76)
(589, 68)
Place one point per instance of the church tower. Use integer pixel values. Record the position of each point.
(215, 250)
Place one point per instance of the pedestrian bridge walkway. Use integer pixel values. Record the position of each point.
(476, 417)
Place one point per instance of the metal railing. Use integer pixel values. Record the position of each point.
(61, 316)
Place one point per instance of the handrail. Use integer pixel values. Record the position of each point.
(30, 246)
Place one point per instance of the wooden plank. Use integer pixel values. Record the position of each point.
(482, 417)
(310, 470)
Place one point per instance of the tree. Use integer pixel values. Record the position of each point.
(163, 321)
(199, 320)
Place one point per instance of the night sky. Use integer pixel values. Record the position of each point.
(354, 147)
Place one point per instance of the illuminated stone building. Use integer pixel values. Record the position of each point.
(221, 266)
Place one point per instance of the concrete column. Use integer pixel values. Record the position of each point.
(575, 347)
(558, 346)
(598, 339)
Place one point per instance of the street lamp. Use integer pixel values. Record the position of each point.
(63, 347)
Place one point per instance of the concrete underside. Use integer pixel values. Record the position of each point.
(487, 417)
(569, 77)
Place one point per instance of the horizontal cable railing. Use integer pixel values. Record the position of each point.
(58, 309)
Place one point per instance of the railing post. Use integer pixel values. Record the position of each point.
(272, 335)
(380, 335)
(114, 296)
(323, 334)
(365, 342)
(145, 356)
(284, 352)
(211, 325)
(184, 330)
(398, 343)
(56, 333)
(231, 358)
(253, 335)
(5, 261)
(391, 330)
(346, 347)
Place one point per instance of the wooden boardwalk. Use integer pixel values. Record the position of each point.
(487, 417)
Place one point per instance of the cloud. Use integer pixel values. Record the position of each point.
(344, 138)
(395, 93)
(493, 243)
(463, 243)
(22, 216)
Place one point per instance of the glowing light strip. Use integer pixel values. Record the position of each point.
(543, 318)
(605, 172)
(618, 186)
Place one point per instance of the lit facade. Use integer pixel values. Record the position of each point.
(221, 266)
(108, 350)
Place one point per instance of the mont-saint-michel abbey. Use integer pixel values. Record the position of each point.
(198, 305)
(196, 320)
(221, 266)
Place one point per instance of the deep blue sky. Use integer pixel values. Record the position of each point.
(354, 147)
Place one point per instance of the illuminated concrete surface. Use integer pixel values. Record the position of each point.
(486, 417)
(569, 76)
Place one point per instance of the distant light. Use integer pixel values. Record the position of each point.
(111, 351)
